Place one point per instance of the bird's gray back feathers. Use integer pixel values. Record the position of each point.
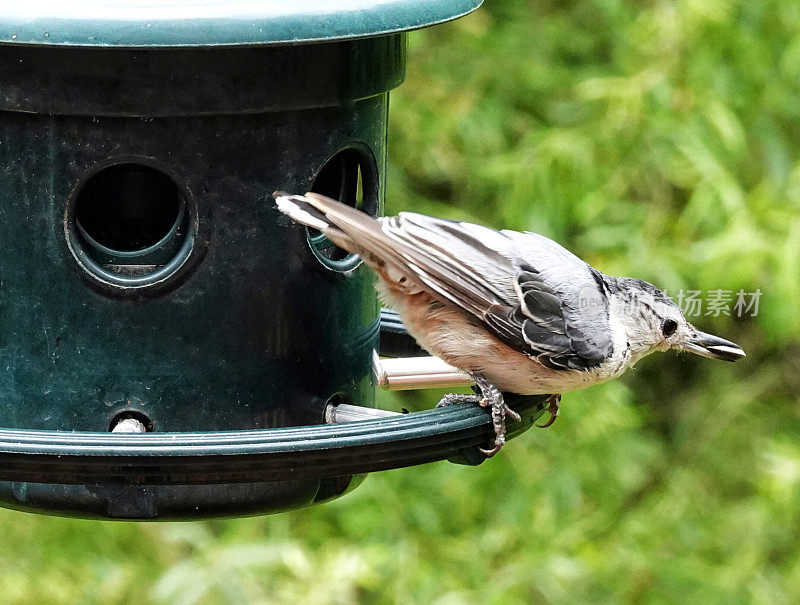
(528, 291)
(533, 294)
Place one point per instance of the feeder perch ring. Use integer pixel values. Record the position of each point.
(307, 452)
(173, 347)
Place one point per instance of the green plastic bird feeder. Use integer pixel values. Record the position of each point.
(171, 346)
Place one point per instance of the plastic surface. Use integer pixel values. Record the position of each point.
(150, 23)
(172, 82)
(251, 332)
(251, 456)
(226, 337)
(189, 475)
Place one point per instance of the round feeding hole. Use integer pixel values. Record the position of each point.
(129, 225)
(128, 207)
(350, 177)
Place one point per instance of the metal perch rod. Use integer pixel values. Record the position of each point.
(408, 373)
(403, 373)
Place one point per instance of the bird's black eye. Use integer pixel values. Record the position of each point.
(669, 326)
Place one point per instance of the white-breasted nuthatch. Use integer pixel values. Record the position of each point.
(517, 311)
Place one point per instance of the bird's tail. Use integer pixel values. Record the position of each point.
(299, 209)
(407, 251)
(345, 226)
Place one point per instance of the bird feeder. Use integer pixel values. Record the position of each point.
(171, 346)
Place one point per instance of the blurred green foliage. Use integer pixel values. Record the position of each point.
(657, 139)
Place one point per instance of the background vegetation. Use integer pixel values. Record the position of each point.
(659, 139)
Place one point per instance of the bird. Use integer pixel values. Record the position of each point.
(515, 310)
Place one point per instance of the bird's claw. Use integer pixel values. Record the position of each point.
(485, 403)
(492, 397)
(511, 413)
(553, 401)
(489, 397)
(456, 398)
(499, 441)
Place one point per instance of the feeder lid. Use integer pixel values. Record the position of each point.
(158, 23)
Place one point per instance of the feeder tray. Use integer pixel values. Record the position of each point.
(148, 284)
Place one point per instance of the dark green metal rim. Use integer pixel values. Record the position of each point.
(251, 456)
(156, 23)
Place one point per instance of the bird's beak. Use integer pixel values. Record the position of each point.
(714, 347)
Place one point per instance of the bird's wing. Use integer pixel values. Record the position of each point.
(534, 295)
(531, 293)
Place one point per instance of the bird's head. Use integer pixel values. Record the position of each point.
(653, 322)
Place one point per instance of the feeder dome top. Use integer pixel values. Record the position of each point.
(175, 23)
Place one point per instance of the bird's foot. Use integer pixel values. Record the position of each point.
(455, 398)
(553, 401)
(492, 397)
